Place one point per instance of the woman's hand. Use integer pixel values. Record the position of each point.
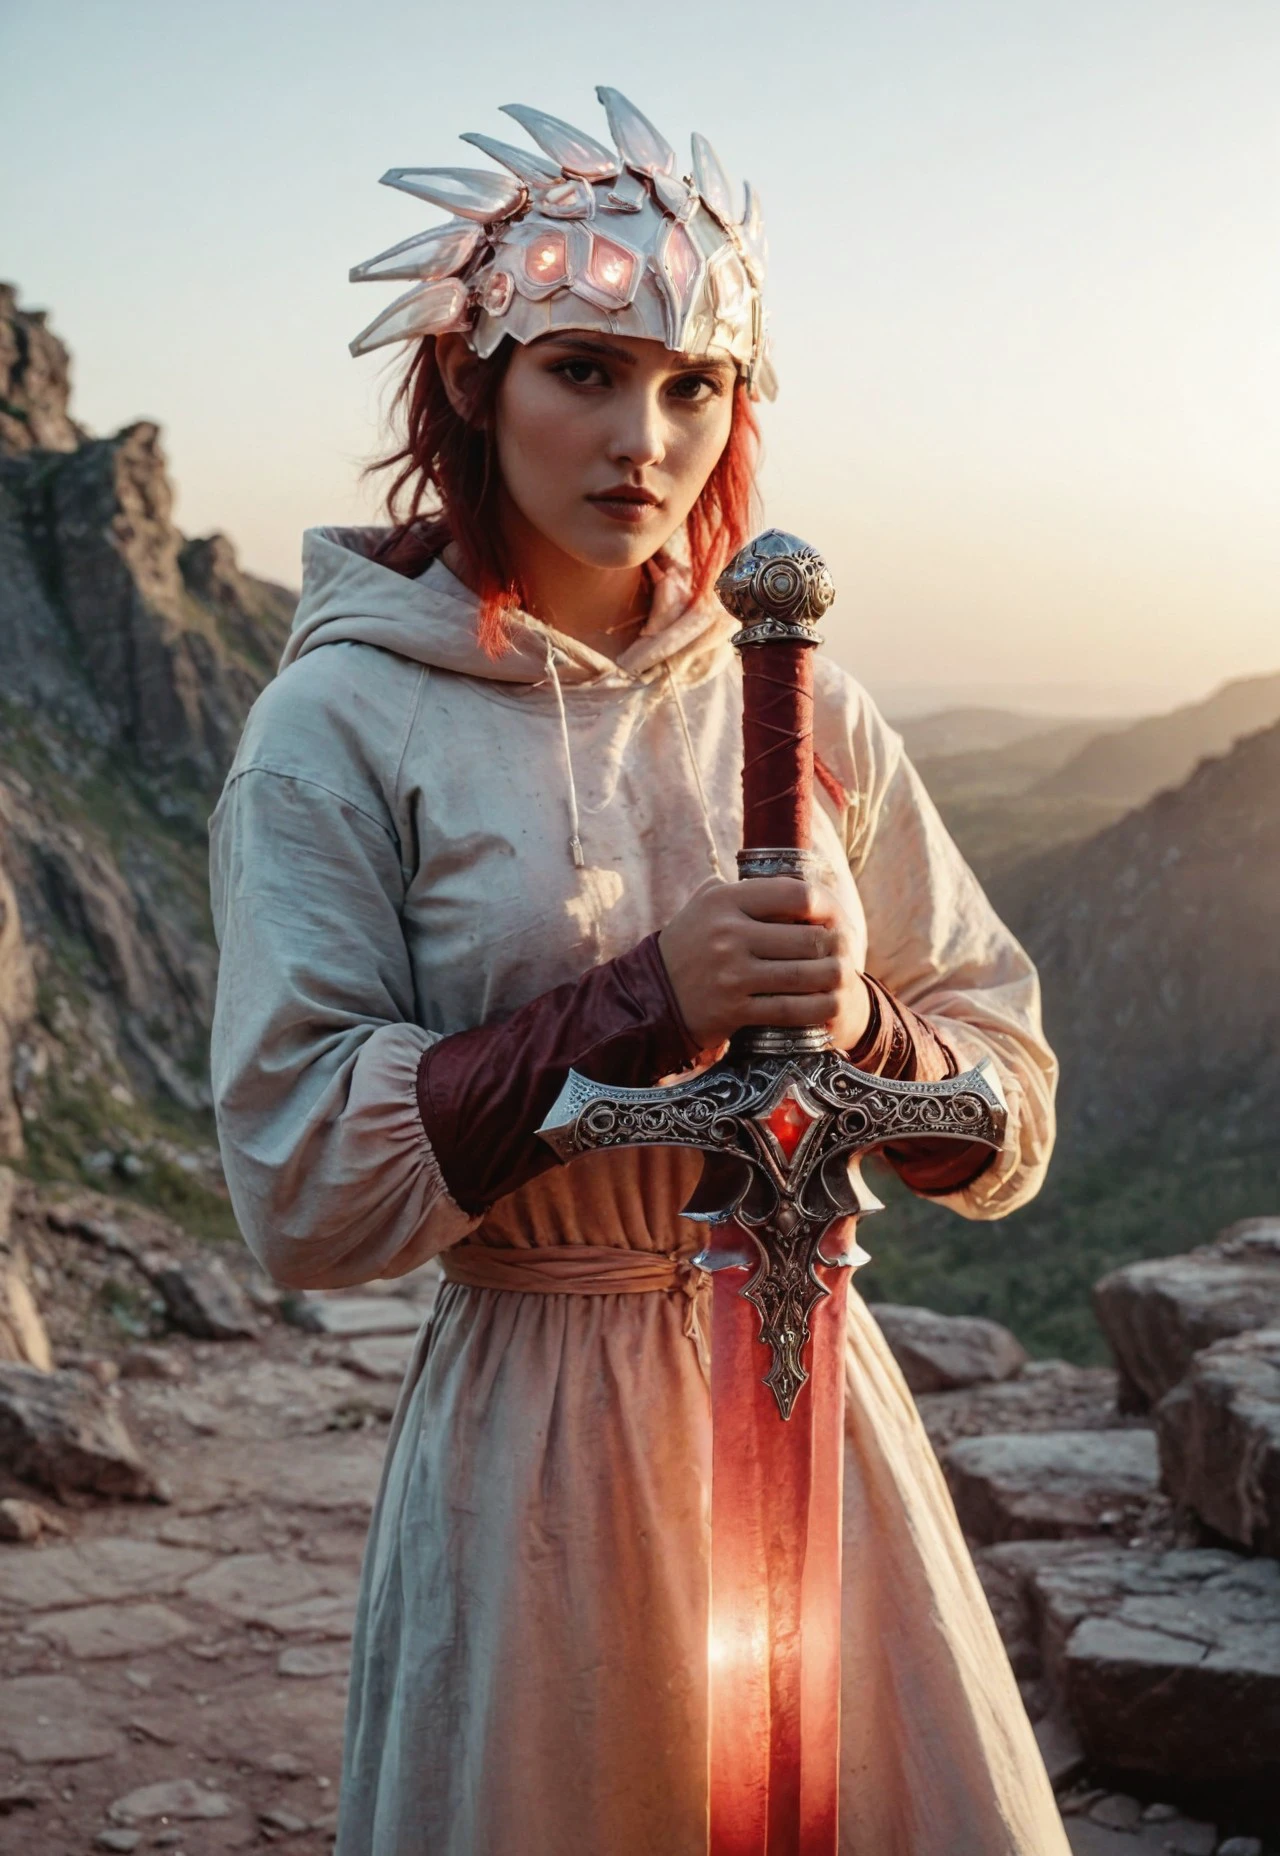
(768, 951)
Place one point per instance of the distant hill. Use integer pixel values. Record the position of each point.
(1004, 802)
(1126, 767)
(1159, 956)
(973, 730)
(992, 800)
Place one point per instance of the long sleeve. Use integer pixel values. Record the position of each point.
(936, 943)
(315, 1055)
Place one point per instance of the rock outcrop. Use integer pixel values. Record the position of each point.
(131, 655)
(1219, 1437)
(1157, 1315)
(938, 1353)
(1170, 1662)
(35, 382)
(60, 1431)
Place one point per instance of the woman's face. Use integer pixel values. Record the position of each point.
(605, 441)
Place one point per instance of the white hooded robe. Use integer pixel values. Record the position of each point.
(391, 863)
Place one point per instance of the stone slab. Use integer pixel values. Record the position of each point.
(313, 1660)
(1051, 1485)
(1169, 1662)
(93, 1631)
(244, 1585)
(96, 1571)
(331, 1616)
(52, 1720)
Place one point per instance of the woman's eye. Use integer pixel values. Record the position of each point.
(696, 387)
(581, 373)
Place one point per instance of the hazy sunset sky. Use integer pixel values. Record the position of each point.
(1025, 285)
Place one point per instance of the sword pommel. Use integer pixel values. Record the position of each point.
(779, 587)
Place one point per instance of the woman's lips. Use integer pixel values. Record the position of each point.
(626, 506)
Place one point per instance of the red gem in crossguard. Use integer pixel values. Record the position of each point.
(788, 1121)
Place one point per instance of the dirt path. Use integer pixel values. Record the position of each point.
(206, 1640)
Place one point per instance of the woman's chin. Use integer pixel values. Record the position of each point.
(601, 543)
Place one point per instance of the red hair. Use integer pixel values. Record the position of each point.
(446, 489)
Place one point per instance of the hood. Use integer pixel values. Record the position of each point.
(347, 597)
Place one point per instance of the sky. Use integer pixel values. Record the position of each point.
(1024, 286)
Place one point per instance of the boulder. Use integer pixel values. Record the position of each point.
(61, 1431)
(1159, 1314)
(204, 1298)
(27, 1521)
(1169, 1662)
(938, 1353)
(1219, 1433)
(1054, 1485)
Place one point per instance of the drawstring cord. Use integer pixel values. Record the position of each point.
(575, 841)
(673, 691)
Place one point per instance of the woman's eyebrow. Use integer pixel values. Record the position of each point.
(586, 344)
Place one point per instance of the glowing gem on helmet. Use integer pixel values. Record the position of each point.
(498, 293)
(545, 260)
(612, 266)
(681, 259)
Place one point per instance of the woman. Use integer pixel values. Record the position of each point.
(476, 833)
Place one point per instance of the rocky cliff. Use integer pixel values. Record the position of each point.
(1160, 968)
(1158, 956)
(131, 655)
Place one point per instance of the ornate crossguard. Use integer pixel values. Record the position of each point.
(784, 1118)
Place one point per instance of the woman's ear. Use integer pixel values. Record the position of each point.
(460, 370)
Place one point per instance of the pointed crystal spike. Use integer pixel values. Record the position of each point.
(639, 143)
(532, 169)
(577, 153)
(753, 228)
(424, 310)
(712, 181)
(767, 378)
(439, 253)
(752, 221)
(472, 193)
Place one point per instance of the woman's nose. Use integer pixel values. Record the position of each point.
(638, 436)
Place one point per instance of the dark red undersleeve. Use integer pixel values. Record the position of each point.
(899, 1043)
(483, 1093)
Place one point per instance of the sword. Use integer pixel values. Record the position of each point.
(783, 1121)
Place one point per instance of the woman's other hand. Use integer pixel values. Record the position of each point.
(768, 951)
